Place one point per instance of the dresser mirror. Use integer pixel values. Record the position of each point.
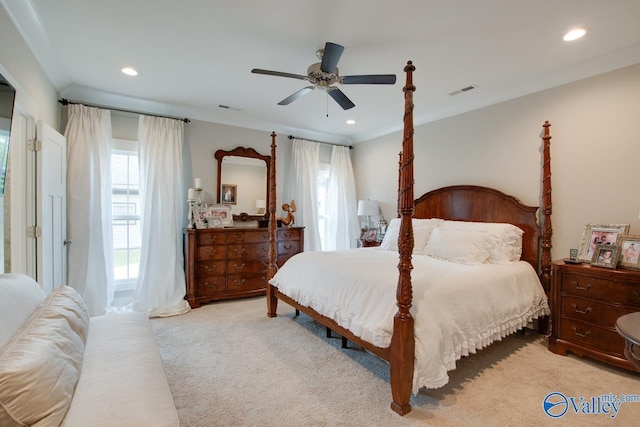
(243, 182)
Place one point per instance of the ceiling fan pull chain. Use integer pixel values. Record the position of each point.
(327, 104)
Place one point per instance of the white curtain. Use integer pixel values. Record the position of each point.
(304, 190)
(342, 224)
(161, 285)
(90, 264)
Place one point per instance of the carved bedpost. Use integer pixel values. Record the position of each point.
(403, 340)
(399, 185)
(545, 259)
(272, 267)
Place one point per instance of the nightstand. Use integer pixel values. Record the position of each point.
(370, 243)
(585, 302)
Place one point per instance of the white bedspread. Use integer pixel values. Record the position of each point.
(458, 309)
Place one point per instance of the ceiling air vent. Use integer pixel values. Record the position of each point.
(464, 89)
(226, 107)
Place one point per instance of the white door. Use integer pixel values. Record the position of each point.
(51, 208)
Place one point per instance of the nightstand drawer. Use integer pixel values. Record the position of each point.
(592, 311)
(601, 290)
(596, 337)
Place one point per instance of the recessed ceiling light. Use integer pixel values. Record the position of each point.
(129, 71)
(574, 34)
(351, 122)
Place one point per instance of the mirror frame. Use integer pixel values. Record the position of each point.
(243, 152)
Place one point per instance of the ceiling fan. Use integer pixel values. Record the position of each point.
(324, 74)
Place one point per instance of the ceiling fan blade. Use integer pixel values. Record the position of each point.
(371, 79)
(288, 100)
(341, 98)
(279, 74)
(331, 56)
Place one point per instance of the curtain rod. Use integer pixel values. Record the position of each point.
(65, 102)
(321, 142)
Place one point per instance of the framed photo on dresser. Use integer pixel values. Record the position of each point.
(599, 234)
(629, 251)
(219, 216)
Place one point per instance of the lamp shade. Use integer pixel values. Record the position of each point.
(261, 203)
(368, 207)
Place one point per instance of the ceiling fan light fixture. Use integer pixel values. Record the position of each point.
(129, 71)
(574, 34)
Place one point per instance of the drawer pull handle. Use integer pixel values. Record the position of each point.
(582, 288)
(239, 251)
(575, 331)
(239, 236)
(238, 267)
(288, 248)
(587, 311)
(210, 267)
(239, 282)
(635, 294)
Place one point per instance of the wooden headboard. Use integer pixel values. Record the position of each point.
(482, 204)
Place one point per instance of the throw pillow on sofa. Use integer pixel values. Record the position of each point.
(40, 365)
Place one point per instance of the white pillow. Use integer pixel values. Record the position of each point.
(506, 238)
(421, 230)
(460, 246)
(40, 365)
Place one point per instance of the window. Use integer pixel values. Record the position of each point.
(323, 194)
(126, 218)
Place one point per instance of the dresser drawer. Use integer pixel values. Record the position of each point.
(211, 285)
(246, 283)
(211, 252)
(210, 268)
(288, 248)
(244, 267)
(248, 251)
(601, 290)
(289, 234)
(592, 311)
(210, 238)
(596, 337)
(247, 237)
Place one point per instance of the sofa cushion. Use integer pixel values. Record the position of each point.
(19, 296)
(123, 381)
(40, 365)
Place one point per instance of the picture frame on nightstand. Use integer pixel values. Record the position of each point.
(606, 256)
(595, 234)
(629, 251)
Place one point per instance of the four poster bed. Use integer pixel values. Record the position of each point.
(474, 266)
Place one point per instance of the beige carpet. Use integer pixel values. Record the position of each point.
(230, 365)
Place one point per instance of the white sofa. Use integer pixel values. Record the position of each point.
(60, 367)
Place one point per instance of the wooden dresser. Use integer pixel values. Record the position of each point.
(223, 263)
(586, 301)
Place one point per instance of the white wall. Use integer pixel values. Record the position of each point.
(34, 91)
(36, 99)
(595, 153)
